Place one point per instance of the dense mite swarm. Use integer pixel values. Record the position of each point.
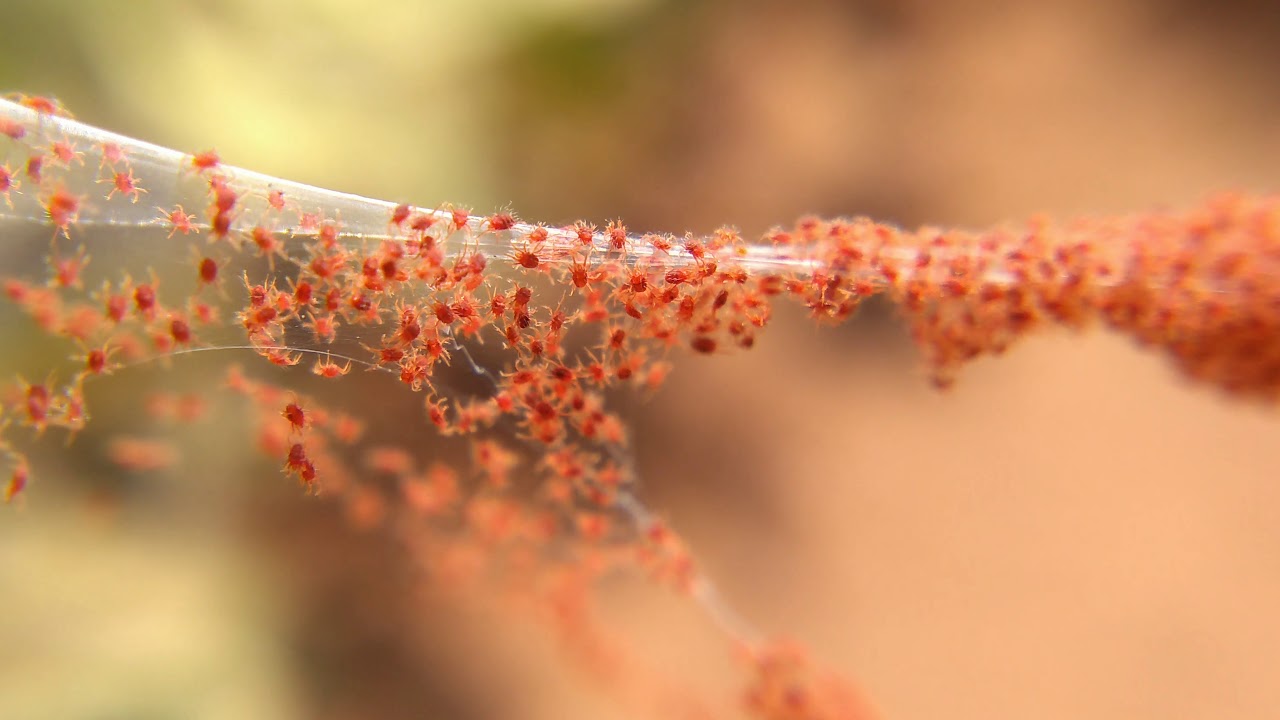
(573, 312)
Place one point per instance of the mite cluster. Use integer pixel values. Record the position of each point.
(547, 501)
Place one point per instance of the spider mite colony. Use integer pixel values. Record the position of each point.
(326, 284)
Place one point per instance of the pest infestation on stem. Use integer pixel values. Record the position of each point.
(549, 498)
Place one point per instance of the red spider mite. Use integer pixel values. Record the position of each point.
(476, 263)
(208, 271)
(502, 221)
(444, 313)
(178, 219)
(12, 129)
(257, 293)
(204, 313)
(95, 362)
(282, 357)
(656, 375)
(520, 297)
(180, 330)
(302, 293)
(329, 369)
(460, 218)
(390, 355)
(116, 306)
(617, 233)
(703, 344)
(721, 298)
(221, 225)
(67, 269)
(399, 214)
(558, 320)
(205, 161)
(420, 222)
(497, 305)
(112, 154)
(123, 182)
(275, 200)
(696, 249)
(224, 197)
(17, 480)
(37, 405)
(295, 415)
(144, 298)
(537, 236)
(62, 208)
(308, 222)
(65, 152)
(638, 281)
(324, 327)
(333, 300)
(297, 458)
(327, 233)
(7, 183)
(43, 105)
(584, 231)
(409, 328)
(35, 167)
(266, 241)
(437, 413)
(617, 339)
(527, 258)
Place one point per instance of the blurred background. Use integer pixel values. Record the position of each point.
(1073, 532)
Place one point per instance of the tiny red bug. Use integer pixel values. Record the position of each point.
(329, 369)
(43, 105)
(205, 161)
(178, 219)
(63, 209)
(17, 480)
(617, 233)
(112, 154)
(7, 184)
(295, 415)
(208, 271)
(124, 183)
(65, 152)
(35, 167)
(501, 221)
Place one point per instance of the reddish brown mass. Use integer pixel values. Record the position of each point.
(527, 259)
(96, 361)
(444, 313)
(180, 331)
(295, 415)
(501, 221)
(144, 298)
(399, 214)
(35, 168)
(205, 161)
(703, 344)
(208, 271)
(62, 208)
